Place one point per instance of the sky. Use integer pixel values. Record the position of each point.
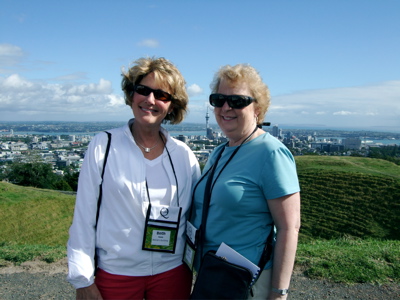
(329, 64)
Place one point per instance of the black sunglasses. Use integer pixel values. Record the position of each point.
(234, 101)
(145, 91)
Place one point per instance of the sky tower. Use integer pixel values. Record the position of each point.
(207, 117)
(209, 132)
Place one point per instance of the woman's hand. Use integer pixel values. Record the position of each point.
(90, 292)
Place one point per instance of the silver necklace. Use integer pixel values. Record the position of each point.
(146, 149)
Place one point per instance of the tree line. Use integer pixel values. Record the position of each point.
(40, 175)
(390, 153)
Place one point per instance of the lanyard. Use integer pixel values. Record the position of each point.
(173, 170)
(209, 187)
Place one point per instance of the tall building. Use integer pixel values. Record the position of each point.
(352, 143)
(275, 131)
(210, 134)
(209, 131)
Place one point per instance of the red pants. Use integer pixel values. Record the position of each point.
(173, 284)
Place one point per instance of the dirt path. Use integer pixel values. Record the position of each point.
(39, 280)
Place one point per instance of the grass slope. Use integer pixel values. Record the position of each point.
(34, 216)
(349, 196)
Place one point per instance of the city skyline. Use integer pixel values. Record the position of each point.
(327, 64)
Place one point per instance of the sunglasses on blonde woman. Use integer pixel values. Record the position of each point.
(145, 91)
(234, 101)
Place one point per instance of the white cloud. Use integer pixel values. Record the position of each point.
(194, 90)
(149, 43)
(104, 87)
(115, 101)
(16, 82)
(344, 113)
(10, 50)
(377, 104)
(10, 55)
(21, 98)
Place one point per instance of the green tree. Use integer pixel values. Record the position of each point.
(390, 153)
(62, 185)
(71, 178)
(36, 174)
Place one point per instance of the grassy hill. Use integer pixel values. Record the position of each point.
(349, 196)
(34, 216)
(350, 220)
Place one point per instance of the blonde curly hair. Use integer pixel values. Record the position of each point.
(249, 75)
(166, 75)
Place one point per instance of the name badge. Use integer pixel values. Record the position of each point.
(190, 246)
(161, 228)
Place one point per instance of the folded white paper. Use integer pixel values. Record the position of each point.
(236, 258)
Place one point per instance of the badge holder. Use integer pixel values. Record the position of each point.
(190, 245)
(161, 228)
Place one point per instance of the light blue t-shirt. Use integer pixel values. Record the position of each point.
(238, 215)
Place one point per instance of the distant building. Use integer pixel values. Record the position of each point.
(18, 146)
(275, 131)
(182, 138)
(61, 163)
(352, 143)
(210, 134)
(327, 147)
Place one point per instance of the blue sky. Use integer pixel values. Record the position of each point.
(327, 63)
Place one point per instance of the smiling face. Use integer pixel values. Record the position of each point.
(149, 111)
(236, 124)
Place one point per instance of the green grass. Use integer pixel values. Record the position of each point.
(350, 220)
(347, 164)
(349, 260)
(30, 216)
(10, 252)
(349, 196)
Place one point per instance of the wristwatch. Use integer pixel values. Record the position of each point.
(280, 292)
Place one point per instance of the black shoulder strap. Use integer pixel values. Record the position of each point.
(267, 252)
(206, 202)
(102, 177)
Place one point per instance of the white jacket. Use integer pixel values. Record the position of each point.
(120, 228)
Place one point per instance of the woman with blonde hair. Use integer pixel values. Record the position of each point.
(254, 186)
(138, 236)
